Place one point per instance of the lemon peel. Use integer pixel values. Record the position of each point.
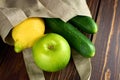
(27, 33)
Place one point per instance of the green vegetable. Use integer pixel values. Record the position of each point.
(75, 38)
(84, 23)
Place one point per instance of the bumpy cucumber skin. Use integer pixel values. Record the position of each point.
(84, 23)
(75, 38)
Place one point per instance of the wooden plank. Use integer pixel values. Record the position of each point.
(11, 64)
(94, 7)
(106, 63)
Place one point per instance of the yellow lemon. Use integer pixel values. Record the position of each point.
(26, 33)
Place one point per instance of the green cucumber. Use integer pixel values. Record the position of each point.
(84, 23)
(76, 39)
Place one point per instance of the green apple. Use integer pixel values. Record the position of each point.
(51, 53)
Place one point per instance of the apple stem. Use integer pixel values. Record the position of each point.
(51, 47)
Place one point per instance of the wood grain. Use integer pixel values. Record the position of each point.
(107, 41)
(12, 65)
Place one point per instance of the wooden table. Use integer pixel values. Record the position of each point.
(105, 64)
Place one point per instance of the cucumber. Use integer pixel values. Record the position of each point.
(84, 23)
(75, 38)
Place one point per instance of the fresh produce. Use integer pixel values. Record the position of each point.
(26, 33)
(51, 52)
(84, 23)
(75, 38)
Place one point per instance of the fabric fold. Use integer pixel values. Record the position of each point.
(61, 10)
(33, 71)
(83, 65)
(9, 17)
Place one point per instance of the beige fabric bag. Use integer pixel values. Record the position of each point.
(12, 12)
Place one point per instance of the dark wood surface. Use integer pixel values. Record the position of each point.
(105, 64)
